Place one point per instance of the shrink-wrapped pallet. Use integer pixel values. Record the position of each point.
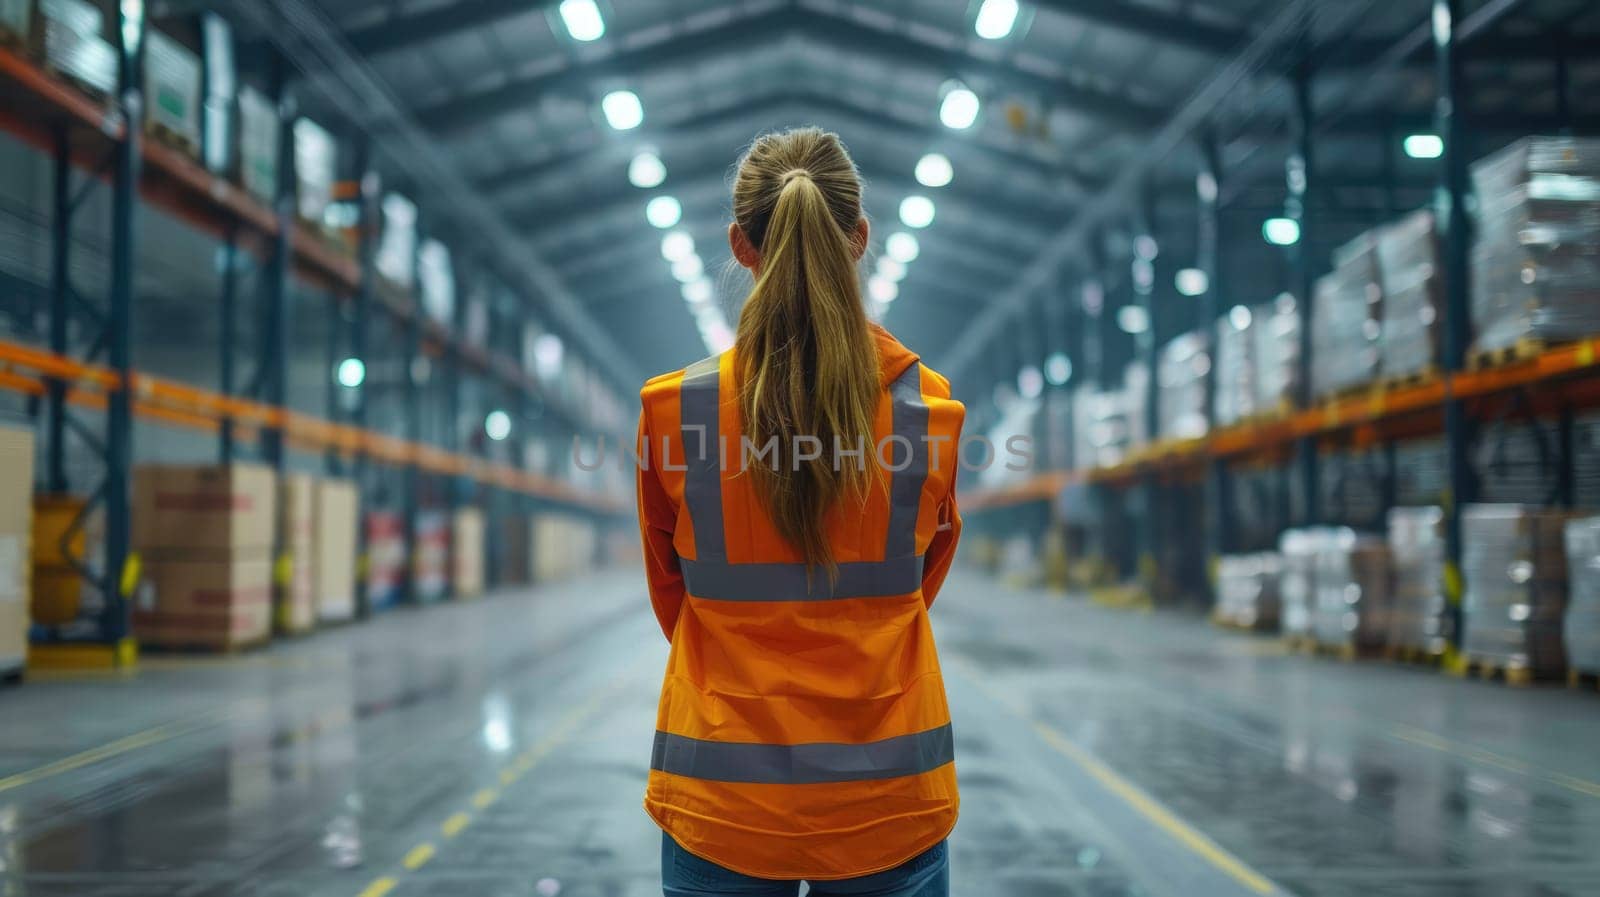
(1275, 331)
(1297, 590)
(1099, 427)
(1418, 612)
(1181, 370)
(1581, 624)
(1536, 263)
(1514, 569)
(1413, 296)
(1346, 320)
(1237, 368)
(1248, 593)
(1352, 591)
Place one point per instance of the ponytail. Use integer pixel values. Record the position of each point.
(807, 361)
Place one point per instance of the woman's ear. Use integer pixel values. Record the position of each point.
(743, 252)
(858, 241)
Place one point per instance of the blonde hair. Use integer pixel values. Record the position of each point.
(808, 365)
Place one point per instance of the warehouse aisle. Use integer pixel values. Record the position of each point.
(497, 748)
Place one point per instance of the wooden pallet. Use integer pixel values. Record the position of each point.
(1515, 677)
(1500, 356)
(164, 135)
(1406, 380)
(1411, 655)
(200, 648)
(1583, 680)
(12, 675)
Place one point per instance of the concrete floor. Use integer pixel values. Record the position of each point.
(497, 749)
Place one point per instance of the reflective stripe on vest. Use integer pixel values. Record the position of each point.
(803, 764)
(711, 576)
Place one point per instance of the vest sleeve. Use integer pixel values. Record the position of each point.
(942, 550)
(657, 519)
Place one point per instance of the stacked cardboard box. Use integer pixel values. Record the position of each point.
(1181, 370)
(436, 285)
(430, 560)
(315, 169)
(1248, 593)
(1581, 625)
(1346, 320)
(16, 530)
(1419, 613)
(333, 558)
(396, 257)
(563, 546)
(1413, 295)
(386, 559)
(1536, 263)
(1100, 427)
(1352, 605)
(258, 144)
(466, 553)
(1514, 568)
(205, 535)
(76, 39)
(1276, 331)
(295, 606)
(172, 90)
(1237, 368)
(1298, 585)
(512, 559)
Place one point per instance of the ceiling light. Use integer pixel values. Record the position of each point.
(1133, 319)
(1030, 382)
(916, 211)
(1146, 247)
(1424, 146)
(1281, 231)
(882, 290)
(622, 110)
(663, 212)
(933, 170)
(497, 425)
(902, 247)
(676, 245)
(583, 20)
(959, 109)
(352, 372)
(1058, 369)
(646, 170)
(688, 268)
(1239, 316)
(698, 292)
(547, 352)
(1192, 282)
(995, 19)
(891, 270)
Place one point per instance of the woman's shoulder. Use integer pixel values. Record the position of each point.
(667, 384)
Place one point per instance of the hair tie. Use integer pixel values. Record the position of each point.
(793, 173)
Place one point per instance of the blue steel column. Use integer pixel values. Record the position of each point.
(226, 348)
(60, 310)
(411, 399)
(1302, 175)
(273, 339)
(1208, 257)
(1141, 275)
(1451, 213)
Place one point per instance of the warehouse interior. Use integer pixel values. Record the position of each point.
(321, 330)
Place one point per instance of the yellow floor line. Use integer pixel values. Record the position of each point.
(485, 797)
(1424, 738)
(379, 887)
(455, 824)
(133, 742)
(418, 856)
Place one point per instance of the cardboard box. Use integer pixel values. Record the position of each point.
(203, 509)
(466, 553)
(333, 551)
(16, 531)
(386, 559)
(258, 144)
(172, 92)
(216, 603)
(295, 598)
(73, 39)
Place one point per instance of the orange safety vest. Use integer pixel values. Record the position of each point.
(803, 730)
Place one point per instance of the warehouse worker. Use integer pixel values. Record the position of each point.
(798, 512)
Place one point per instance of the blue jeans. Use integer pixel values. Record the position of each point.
(685, 875)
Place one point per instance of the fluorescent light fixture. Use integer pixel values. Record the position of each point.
(497, 425)
(698, 292)
(646, 170)
(676, 245)
(1146, 247)
(1030, 382)
(891, 270)
(663, 212)
(583, 20)
(916, 211)
(352, 372)
(547, 353)
(1133, 319)
(1239, 316)
(959, 109)
(622, 110)
(687, 269)
(1058, 369)
(1424, 146)
(1281, 231)
(1192, 282)
(995, 19)
(882, 290)
(934, 170)
(902, 247)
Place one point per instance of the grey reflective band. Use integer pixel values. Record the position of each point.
(722, 581)
(803, 764)
(905, 486)
(698, 401)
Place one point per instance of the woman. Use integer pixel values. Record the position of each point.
(798, 512)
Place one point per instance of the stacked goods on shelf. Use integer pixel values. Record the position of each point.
(1352, 591)
(16, 21)
(396, 255)
(437, 282)
(1248, 590)
(1413, 296)
(386, 559)
(1099, 427)
(258, 145)
(1276, 331)
(1135, 399)
(563, 546)
(1419, 612)
(295, 606)
(333, 556)
(1237, 367)
(1181, 369)
(1346, 320)
(221, 86)
(16, 534)
(1581, 626)
(466, 553)
(316, 161)
(1514, 567)
(77, 40)
(172, 86)
(1297, 589)
(510, 549)
(430, 562)
(1536, 262)
(205, 535)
